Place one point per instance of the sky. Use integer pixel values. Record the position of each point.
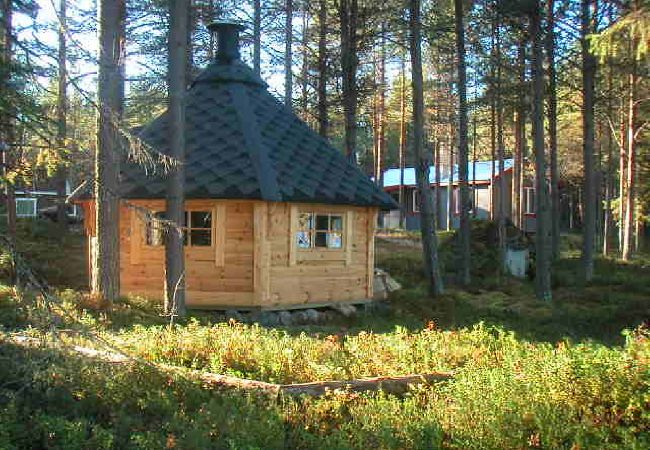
(86, 43)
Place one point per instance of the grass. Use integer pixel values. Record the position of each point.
(529, 374)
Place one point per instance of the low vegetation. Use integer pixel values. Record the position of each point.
(527, 374)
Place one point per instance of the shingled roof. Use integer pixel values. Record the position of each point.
(242, 143)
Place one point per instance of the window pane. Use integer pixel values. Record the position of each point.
(322, 222)
(201, 219)
(200, 238)
(336, 223)
(303, 239)
(305, 221)
(334, 240)
(321, 239)
(25, 207)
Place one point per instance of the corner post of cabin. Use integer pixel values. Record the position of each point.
(371, 215)
(261, 254)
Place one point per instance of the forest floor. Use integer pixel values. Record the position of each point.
(571, 373)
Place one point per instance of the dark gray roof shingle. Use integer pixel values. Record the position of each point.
(242, 143)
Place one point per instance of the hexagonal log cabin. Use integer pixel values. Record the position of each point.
(276, 218)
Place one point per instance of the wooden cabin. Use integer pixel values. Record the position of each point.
(276, 217)
(483, 184)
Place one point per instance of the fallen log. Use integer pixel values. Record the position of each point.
(396, 385)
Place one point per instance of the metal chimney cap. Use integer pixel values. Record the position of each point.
(227, 39)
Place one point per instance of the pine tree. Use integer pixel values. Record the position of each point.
(174, 251)
(427, 217)
(110, 89)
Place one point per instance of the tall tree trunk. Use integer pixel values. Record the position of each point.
(210, 17)
(8, 132)
(427, 222)
(501, 206)
(493, 123)
(288, 60)
(110, 91)
(257, 36)
(630, 193)
(463, 149)
(609, 172)
(381, 108)
(622, 168)
(191, 26)
(304, 71)
(348, 13)
(436, 187)
(520, 137)
(323, 121)
(588, 83)
(542, 235)
(402, 142)
(174, 251)
(61, 110)
(450, 186)
(474, 156)
(552, 130)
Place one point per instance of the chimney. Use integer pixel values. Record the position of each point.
(227, 40)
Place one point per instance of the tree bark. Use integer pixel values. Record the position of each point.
(552, 130)
(501, 206)
(542, 235)
(474, 156)
(622, 167)
(257, 36)
(463, 148)
(437, 144)
(588, 83)
(520, 138)
(427, 218)
(348, 14)
(304, 100)
(450, 186)
(61, 110)
(402, 142)
(381, 109)
(8, 132)
(493, 123)
(288, 59)
(630, 193)
(323, 120)
(107, 160)
(609, 172)
(174, 247)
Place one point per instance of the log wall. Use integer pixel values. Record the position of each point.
(253, 261)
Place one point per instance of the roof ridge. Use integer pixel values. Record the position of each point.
(264, 170)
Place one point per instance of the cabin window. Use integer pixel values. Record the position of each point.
(457, 203)
(199, 228)
(319, 231)
(26, 207)
(197, 232)
(529, 200)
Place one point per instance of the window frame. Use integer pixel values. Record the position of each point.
(187, 228)
(314, 230)
(529, 192)
(322, 255)
(34, 203)
(456, 199)
(416, 200)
